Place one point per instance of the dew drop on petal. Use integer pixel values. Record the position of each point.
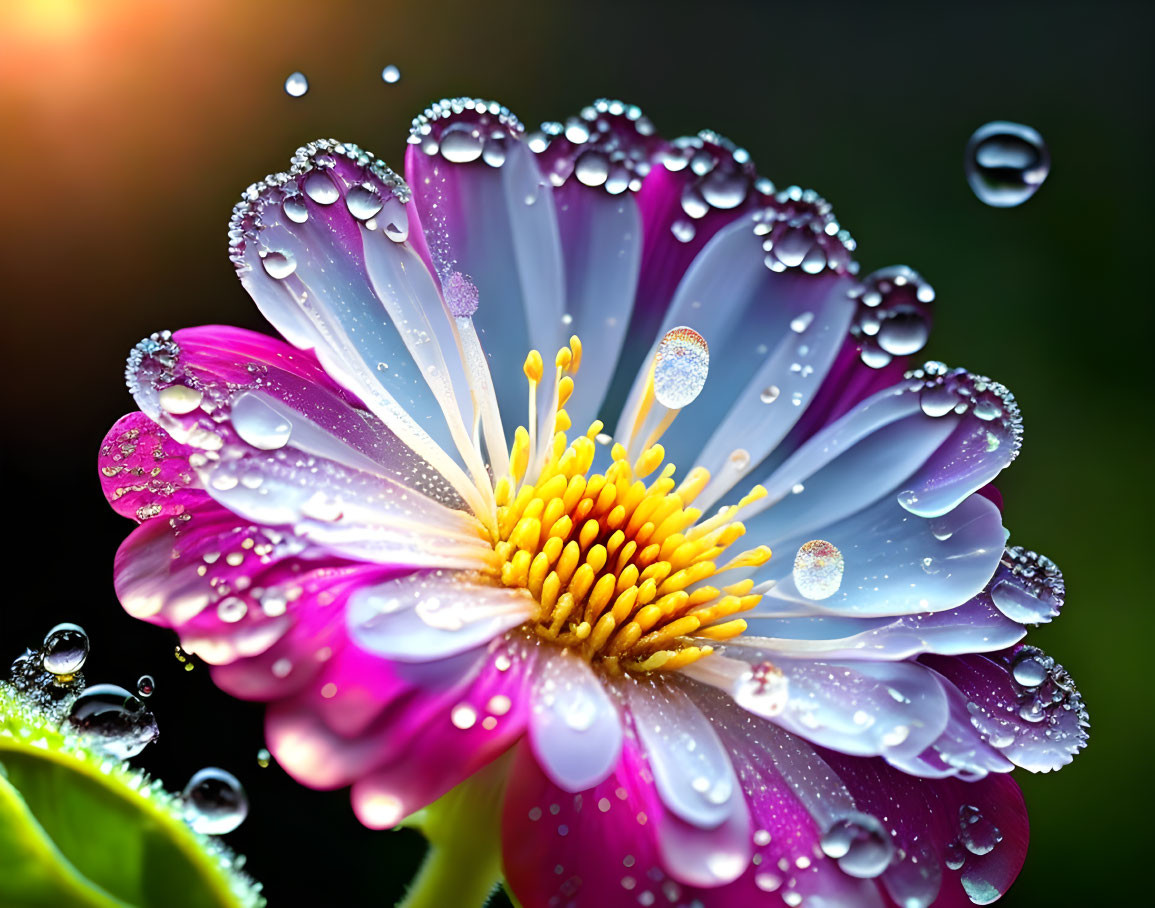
(145, 685)
(680, 367)
(112, 721)
(1006, 163)
(460, 144)
(65, 649)
(391, 74)
(363, 202)
(1028, 670)
(818, 569)
(319, 186)
(860, 844)
(179, 399)
(259, 424)
(296, 85)
(769, 394)
(295, 210)
(278, 265)
(215, 802)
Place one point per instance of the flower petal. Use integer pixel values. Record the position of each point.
(574, 728)
(487, 215)
(895, 563)
(1022, 702)
(429, 615)
(144, 472)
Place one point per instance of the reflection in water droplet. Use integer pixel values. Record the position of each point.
(215, 802)
(363, 202)
(295, 210)
(296, 85)
(179, 399)
(460, 144)
(279, 265)
(113, 721)
(145, 685)
(1006, 163)
(818, 568)
(680, 367)
(65, 649)
(321, 188)
(391, 74)
(860, 844)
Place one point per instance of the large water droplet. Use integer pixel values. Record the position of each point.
(860, 845)
(818, 568)
(680, 367)
(65, 649)
(460, 144)
(259, 424)
(179, 399)
(1028, 670)
(296, 85)
(319, 186)
(295, 210)
(391, 74)
(279, 265)
(1006, 163)
(215, 802)
(592, 168)
(113, 721)
(396, 220)
(977, 833)
(363, 202)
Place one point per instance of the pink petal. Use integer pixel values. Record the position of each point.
(145, 474)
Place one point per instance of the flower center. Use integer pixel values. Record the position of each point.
(620, 569)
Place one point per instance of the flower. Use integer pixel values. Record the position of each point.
(343, 526)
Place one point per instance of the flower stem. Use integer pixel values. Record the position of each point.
(463, 864)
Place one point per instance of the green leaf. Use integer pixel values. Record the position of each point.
(80, 829)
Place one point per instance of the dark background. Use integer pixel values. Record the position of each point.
(129, 128)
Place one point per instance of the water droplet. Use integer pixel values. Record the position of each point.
(463, 716)
(802, 322)
(977, 833)
(363, 202)
(278, 265)
(391, 74)
(396, 220)
(179, 399)
(592, 168)
(259, 424)
(264, 758)
(683, 230)
(1028, 670)
(113, 721)
(1006, 163)
(215, 802)
(769, 394)
(296, 85)
(321, 189)
(680, 367)
(65, 649)
(461, 295)
(860, 845)
(818, 568)
(295, 210)
(905, 332)
(739, 458)
(460, 144)
(145, 685)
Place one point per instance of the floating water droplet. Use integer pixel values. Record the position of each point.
(680, 367)
(264, 758)
(363, 202)
(215, 802)
(769, 394)
(860, 844)
(1006, 163)
(259, 424)
(65, 650)
(391, 74)
(145, 685)
(113, 721)
(278, 265)
(296, 85)
(320, 187)
(460, 144)
(818, 568)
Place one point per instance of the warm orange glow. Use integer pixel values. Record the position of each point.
(47, 20)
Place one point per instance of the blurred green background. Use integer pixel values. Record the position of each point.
(131, 126)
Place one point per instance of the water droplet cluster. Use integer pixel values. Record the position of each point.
(320, 174)
(1037, 718)
(942, 391)
(463, 130)
(798, 230)
(1006, 163)
(608, 145)
(893, 317)
(717, 175)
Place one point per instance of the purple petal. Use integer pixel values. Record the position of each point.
(145, 474)
(1023, 703)
(1028, 587)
